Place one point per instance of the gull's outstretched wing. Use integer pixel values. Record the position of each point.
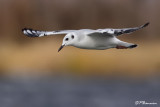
(117, 32)
(37, 33)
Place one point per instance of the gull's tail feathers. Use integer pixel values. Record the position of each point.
(125, 45)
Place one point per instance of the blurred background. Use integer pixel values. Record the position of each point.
(34, 74)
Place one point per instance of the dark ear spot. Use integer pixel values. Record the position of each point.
(66, 39)
(72, 36)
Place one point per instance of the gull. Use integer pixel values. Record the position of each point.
(98, 39)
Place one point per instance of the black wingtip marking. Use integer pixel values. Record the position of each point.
(146, 24)
(23, 29)
(133, 46)
(29, 34)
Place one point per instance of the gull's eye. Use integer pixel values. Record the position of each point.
(72, 37)
(66, 39)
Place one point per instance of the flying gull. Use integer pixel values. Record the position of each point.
(99, 39)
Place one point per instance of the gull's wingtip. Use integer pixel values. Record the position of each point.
(30, 32)
(24, 29)
(146, 24)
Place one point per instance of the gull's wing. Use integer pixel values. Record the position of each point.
(117, 32)
(37, 33)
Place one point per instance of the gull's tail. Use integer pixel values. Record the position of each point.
(125, 45)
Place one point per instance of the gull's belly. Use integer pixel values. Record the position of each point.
(97, 43)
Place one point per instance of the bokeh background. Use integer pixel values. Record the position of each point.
(34, 74)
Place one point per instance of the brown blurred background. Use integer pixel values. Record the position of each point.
(20, 54)
(34, 74)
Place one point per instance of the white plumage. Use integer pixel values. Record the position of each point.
(89, 39)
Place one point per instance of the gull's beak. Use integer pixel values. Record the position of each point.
(61, 47)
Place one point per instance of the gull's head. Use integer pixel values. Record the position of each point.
(68, 40)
